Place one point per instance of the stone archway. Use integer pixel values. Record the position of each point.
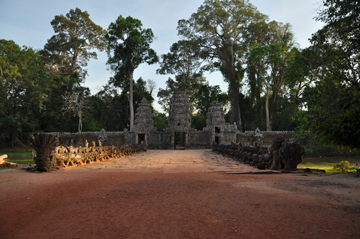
(179, 140)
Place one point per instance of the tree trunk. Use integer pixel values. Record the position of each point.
(234, 87)
(268, 127)
(80, 122)
(235, 108)
(73, 62)
(131, 103)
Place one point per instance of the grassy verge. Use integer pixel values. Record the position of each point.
(19, 157)
(22, 161)
(328, 163)
(17, 154)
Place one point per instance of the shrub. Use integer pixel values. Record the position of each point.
(343, 166)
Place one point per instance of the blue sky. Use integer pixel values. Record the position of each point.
(28, 23)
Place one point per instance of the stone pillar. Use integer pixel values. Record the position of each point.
(43, 144)
(144, 121)
(215, 122)
(179, 117)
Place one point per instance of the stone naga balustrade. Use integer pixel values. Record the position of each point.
(281, 155)
(43, 144)
(49, 156)
(71, 156)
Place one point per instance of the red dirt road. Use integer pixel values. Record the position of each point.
(118, 204)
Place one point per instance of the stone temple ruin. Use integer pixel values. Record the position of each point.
(218, 135)
(178, 134)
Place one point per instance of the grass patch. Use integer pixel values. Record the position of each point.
(17, 155)
(331, 164)
(334, 160)
(328, 163)
(328, 167)
(22, 161)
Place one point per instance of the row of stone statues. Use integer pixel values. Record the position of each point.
(50, 156)
(281, 155)
(71, 156)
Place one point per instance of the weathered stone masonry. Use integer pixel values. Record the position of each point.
(178, 133)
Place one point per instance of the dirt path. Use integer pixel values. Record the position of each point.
(176, 194)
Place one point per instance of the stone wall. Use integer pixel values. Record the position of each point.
(178, 133)
(78, 139)
(269, 136)
(162, 139)
(159, 140)
(199, 138)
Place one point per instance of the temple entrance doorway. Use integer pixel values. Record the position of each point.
(141, 137)
(179, 140)
(217, 130)
(217, 141)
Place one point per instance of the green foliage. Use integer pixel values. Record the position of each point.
(198, 121)
(128, 46)
(331, 64)
(111, 110)
(33, 84)
(343, 166)
(342, 18)
(68, 51)
(206, 94)
(220, 30)
(332, 115)
(192, 87)
(19, 157)
(23, 161)
(160, 120)
(314, 149)
(24, 86)
(267, 64)
(184, 61)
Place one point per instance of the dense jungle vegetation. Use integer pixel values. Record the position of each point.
(272, 83)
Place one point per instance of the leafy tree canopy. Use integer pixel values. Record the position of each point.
(128, 46)
(220, 29)
(332, 63)
(69, 50)
(24, 86)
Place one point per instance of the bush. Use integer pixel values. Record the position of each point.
(315, 149)
(343, 166)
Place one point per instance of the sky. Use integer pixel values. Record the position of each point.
(28, 23)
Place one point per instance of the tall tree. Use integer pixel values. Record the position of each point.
(128, 47)
(267, 64)
(24, 89)
(184, 61)
(78, 105)
(192, 86)
(206, 94)
(113, 110)
(69, 50)
(332, 63)
(151, 85)
(219, 27)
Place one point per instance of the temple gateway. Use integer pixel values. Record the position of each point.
(178, 134)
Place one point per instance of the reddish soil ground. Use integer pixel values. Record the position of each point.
(92, 203)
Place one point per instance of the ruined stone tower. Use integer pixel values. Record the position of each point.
(144, 122)
(179, 121)
(215, 122)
